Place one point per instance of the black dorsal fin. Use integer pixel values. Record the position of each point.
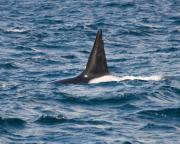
(97, 64)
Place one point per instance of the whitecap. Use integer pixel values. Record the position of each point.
(17, 30)
(2, 86)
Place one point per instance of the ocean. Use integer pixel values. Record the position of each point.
(45, 41)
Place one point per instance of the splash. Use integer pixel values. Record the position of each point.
(109, 78)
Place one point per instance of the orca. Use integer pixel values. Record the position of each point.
(96, 67)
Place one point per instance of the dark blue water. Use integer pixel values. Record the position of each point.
(44, 41)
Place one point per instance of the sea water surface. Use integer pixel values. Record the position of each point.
(42, 41)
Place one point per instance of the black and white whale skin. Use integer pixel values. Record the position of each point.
(96, 68)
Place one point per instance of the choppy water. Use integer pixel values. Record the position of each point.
(44, 41)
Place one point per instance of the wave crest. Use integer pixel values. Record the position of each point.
(12, 122)
(45, 119)
(169, 113)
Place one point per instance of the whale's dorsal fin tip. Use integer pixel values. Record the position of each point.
(97, 64)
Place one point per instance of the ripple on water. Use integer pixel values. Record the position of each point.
(69, 57)
(60, 119)
(153, 126)
(8, 66)
(162, 114)
(50, 120)
(12, 122)
(104, 100)
(167, 50)
(171, 89)
(118, 5)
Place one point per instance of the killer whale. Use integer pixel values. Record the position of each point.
(96, 69)
(96, 66)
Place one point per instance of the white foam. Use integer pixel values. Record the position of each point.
(109, 78)
(2, 86)
(16, 30)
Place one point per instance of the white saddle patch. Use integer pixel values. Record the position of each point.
(106, 78)
(109, 78)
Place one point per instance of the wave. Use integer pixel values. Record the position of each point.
(122, 5)
(152, 126)
(59, 119)
(12, 122)
(9, 65)
(110, 78)
(45, 119)
(167, 50)
(168, 113)
(8, 85)
(115, 100)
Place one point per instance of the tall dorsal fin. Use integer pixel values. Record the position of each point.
(97, 65)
